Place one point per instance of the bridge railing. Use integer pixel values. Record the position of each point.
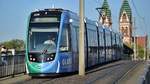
(145, 76)
(12, 65)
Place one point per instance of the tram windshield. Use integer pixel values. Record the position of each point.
(43, 33)
(43, 40)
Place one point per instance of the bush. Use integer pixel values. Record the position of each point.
(14, 44)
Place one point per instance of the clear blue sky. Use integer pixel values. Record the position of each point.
(14, 14)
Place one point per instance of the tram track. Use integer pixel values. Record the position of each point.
(36, 80)
(128, 73)
(107, 74)
(112, 74)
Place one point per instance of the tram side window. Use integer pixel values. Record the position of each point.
(107, 39)
(120, 42)
(117, 40)
(64, 42)
(101, 39)
(114, 39)
(77, 35)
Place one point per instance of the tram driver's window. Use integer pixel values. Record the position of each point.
(64, 43)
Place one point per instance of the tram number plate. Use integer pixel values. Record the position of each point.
(66, 61)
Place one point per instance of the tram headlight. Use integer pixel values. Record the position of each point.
(50, 57)
(30, 55)
(31, 58)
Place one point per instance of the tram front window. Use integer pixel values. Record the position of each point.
(42, 40)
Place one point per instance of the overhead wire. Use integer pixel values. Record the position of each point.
(135, 8)
(140, 17)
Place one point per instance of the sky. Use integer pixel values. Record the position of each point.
(14, 14)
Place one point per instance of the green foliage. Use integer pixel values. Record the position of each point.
(148, 53)
(14, 44)
(140, 52)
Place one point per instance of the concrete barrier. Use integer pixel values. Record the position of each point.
(145, 77)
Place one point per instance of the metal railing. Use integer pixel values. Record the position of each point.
(12, 65)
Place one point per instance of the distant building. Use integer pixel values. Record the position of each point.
(105, 17)
(126, 27)
(125, 22)
(141, 41)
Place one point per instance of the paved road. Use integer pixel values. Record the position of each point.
(106, 74)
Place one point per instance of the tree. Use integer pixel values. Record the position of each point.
(16, 44)
(140, 52)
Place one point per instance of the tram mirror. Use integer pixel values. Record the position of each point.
(63, 48)
(30, 33)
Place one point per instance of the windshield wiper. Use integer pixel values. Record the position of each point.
(45, 50)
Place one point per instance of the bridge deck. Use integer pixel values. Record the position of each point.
(119, 72)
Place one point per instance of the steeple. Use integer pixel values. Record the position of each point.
(106, 9)
(126, 8)
(105, 19)
(125, 22)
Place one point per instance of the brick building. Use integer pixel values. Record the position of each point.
(141, 41)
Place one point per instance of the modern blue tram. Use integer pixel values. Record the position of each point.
(53, 40)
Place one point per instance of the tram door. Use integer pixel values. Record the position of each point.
(74, 45)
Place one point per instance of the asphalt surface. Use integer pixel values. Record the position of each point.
(106, 74)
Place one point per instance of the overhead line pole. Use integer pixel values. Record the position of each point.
(134, 41)
(81, 40)
(145, 48)
(146, 40)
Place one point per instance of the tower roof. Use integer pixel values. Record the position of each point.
(126, 7)
(106, 9)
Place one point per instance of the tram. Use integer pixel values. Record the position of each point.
(53, 39)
